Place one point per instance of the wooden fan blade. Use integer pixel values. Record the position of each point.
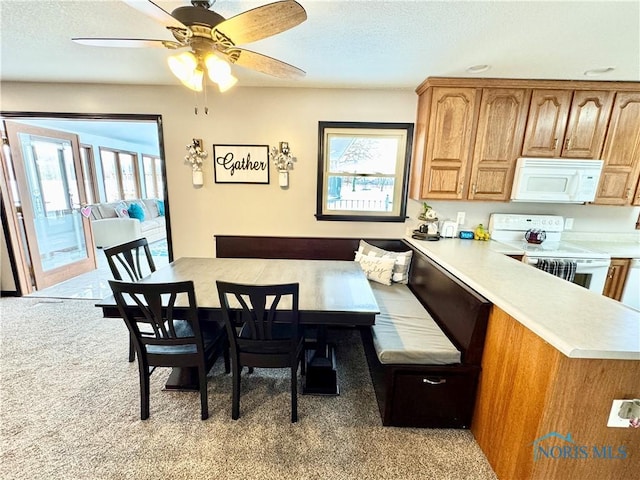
(263, 63)
(127, 42)
(156, 12)
(262, 22)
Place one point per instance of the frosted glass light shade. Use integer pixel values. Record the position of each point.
(185, 67)
(217, 68)
(226, 83)
(219, 72)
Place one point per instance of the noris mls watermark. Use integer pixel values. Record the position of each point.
(564, 447)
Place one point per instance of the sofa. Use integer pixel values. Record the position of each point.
(114, 223)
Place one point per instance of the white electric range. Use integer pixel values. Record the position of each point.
(584, 267)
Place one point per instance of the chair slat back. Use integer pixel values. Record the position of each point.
(164, 308)
(125, 260)
(259, 309)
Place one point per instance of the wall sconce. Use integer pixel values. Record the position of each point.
(283, 161)
(195, 156)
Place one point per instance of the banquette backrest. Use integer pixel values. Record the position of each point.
(460, 312)
(298, 248)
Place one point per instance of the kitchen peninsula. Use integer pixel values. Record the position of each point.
(556, 356)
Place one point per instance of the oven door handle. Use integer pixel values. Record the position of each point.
(580, 262)
(596, 263)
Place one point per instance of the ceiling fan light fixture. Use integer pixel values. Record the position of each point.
(226, 83)
(195, 81)
(185, 67)
(219, 72)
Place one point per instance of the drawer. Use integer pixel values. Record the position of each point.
(436, 399)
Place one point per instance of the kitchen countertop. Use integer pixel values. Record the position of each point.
(620, 245)
(577, 322)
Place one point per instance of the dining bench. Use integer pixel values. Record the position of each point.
(424, 353)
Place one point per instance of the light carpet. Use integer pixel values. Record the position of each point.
(70, 410)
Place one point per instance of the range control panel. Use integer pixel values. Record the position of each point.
(519, 222)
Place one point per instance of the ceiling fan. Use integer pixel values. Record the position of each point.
(212, 40)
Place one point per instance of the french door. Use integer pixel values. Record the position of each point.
(50, 199)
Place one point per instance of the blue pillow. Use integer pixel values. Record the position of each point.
(160, 207)
(136, 211)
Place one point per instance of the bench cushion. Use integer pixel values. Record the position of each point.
(405, 333)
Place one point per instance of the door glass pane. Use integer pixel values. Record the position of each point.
(51, 180)
(128, 173)
(159, 182)
(86, 158)
(149, 174)
(110, 175)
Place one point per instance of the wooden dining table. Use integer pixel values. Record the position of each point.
(333, 293)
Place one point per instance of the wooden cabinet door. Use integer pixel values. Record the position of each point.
(546, 123)
(500, 132)
(636, 200)
(621, 153)
(451, 129)
(616, 277)
(588, 119)
(418, 167)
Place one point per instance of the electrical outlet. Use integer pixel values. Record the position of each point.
(460, 218)
(568, 223)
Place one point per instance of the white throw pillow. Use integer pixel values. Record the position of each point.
(378, 269)
(402, 260)
(122, 210)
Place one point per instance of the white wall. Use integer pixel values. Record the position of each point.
(267, 116)
(242, 116)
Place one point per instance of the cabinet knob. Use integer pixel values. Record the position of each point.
(567, 143)
(555, 143)
(627, 192)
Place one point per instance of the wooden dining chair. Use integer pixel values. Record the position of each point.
(125, 264)
(262, 323)
(178, 338)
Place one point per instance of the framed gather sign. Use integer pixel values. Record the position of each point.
(241, 163)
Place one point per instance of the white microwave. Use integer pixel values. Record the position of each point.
(557, 180)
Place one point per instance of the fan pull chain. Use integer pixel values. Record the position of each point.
(206, 102)
(195, 97)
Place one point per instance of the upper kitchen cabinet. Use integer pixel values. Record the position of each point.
(470, 133)
(469, 140)
(621, 153)
(567, 123)
(546, 124)
(500, 132)
(449, 128)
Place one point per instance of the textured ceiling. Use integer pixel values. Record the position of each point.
(352, 44)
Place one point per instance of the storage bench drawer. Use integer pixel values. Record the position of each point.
(433, 397)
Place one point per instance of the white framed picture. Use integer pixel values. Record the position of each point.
(241, 163)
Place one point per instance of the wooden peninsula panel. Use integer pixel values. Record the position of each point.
(529, 389)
